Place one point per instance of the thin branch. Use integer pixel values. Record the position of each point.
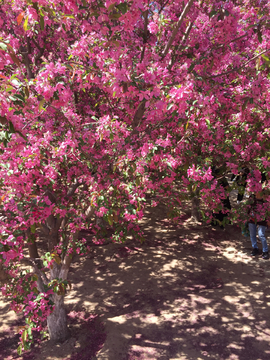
(110, 105)
(41, 275)
(89, 212)
(139, 114)
(179, 23)
(163, 6)
(145, 15)
(184, 39)
(73, 188)
(25, 51)
(68, 259)
(231, 41)
(237, 68)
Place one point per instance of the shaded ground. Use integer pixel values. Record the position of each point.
(190, 292)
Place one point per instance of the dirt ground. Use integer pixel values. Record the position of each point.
(190, 291)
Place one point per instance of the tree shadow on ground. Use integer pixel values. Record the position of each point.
(189, 292)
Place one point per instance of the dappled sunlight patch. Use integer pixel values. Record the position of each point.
(144, 351)
(189, 241)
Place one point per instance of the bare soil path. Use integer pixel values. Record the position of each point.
(189, 292)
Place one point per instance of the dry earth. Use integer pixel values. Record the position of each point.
(189, 292)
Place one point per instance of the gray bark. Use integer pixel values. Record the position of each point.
(195, 206)
(57, 320)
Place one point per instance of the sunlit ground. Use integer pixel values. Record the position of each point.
(190, 292)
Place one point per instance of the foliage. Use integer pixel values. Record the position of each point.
(104, 103)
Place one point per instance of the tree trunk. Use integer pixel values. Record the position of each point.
(3, 273)
(195, 206)
(33, 252)
(32, 245)
(57, 320)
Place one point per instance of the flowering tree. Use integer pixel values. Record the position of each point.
(103, 102)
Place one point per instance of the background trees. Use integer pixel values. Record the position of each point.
(104, 102)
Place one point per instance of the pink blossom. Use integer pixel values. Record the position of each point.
(153, 27)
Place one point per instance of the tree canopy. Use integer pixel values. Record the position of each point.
(103, 103)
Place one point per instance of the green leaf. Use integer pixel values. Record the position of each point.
(56, 258)
(18, 112)
(3, 46)
(33, 228)
(170, 106)
(11, 127)
(114, 16)
(260, 36)
(123, 7)
(191, 67)
(116, 43)
(18, 132)
(110, 8)
(20, 97)
(19, 350)
(110, 219)
(41, 22)
(212, 13)
(40, 106)
(26, 91)
(24, 336)
(265, 57)
(95, 13)
(55, 95)
(25, 24)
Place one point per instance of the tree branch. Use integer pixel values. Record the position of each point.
(184, 39)
(145, 15)
(43, 280)
(237, 68)
(179, 23)
(68, 259)
(40, 53)
(163, 6)
(73, 188)
(139, 114)
(25, 51)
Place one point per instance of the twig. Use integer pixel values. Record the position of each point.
(179, 23)
(139, 114)
(237, 68)
(145, 15)
(184, 39)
